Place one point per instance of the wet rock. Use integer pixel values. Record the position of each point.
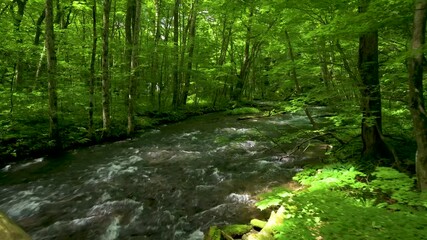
(10, 231)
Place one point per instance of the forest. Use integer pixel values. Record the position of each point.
(80, 73)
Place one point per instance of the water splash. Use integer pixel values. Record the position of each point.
(113, 230)
(240, 198)
(196, 235)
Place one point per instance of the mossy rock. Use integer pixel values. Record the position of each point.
(10, 231)
(213, 234)
(236, 230)
(258, 223)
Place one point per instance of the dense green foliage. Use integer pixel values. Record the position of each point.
(339, 202)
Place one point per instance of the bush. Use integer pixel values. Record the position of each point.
(243, 110)
(340, 202)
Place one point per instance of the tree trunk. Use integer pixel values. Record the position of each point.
(17, 22)
(192, 37)
(164, 65)
(92, 71)
(155, 61)
(51, 69)
(373, 144)
(244, 68)
(226, 35)
(37, 42)
(176, 81)
(39, 28)
(132, 26)
(292, 58)
(106, 96)
(324, 65)
(295, 77)
(416, 98)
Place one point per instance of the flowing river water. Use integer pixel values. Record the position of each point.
(171, 183)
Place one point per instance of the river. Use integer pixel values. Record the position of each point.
(169, 183)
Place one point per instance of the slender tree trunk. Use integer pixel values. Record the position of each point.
(51, 69)
(12, 83)
(155, 63)
(39, 65)
(17, 22)
(176, 80)
(183, 49)
(92, 71)
(106, 96)
(245, 67)
(373, 144)
(132, 26)
(37, 42)
(39, 28)
(192, 36)
(295, 77)
(324, 66)
(226, 35)
(164, 66)
(416, 97)
(292, 58)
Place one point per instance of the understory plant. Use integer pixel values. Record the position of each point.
(340, 202)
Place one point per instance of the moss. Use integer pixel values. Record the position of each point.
(213, 234)
(243, 110)
(236, 230)
(258, 223)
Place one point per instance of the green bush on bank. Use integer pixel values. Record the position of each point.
(339, 202)
(243, 110)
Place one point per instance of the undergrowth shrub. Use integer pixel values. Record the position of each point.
(243, 110)
(340, 202)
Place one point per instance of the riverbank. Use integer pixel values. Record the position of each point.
(29, 140)
(336, 201)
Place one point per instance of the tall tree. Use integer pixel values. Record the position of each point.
(92, 70)
(176, 81)
(17, 17)
(416, 97)
(132, 27)
(246, 63)
(373, 144)
(155, 75)
(51, 69)
(192, 36)
(106, 96)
